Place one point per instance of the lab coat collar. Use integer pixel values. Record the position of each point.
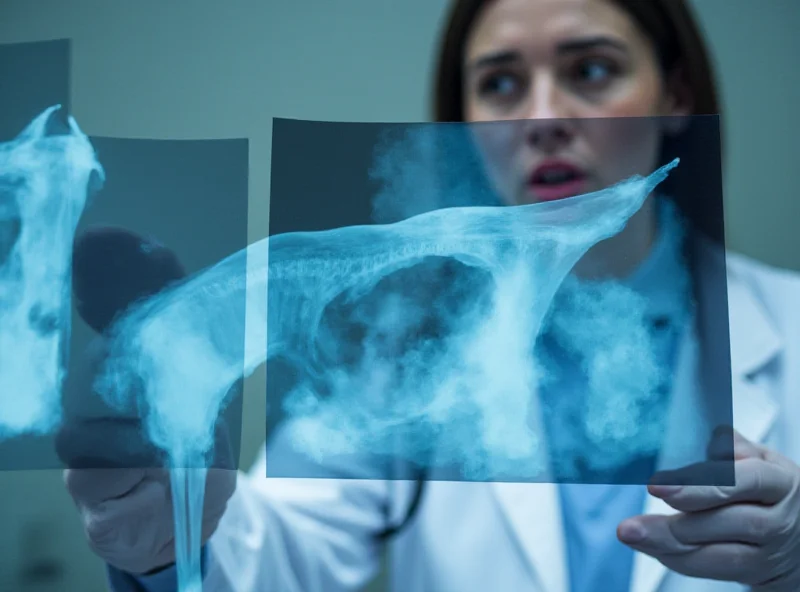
(536, 525)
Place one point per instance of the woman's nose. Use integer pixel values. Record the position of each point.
(548, 125)
(545, 101)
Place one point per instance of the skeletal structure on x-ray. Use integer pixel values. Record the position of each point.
(180, 351)
(181, 343)
(44, 183)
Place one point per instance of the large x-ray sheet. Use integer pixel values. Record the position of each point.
(33, 77)
(94, 228)
(444, 326)
(169, 210)
(430, 317)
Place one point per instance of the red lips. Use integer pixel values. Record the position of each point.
(556, 179)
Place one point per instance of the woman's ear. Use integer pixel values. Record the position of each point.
(679, 102)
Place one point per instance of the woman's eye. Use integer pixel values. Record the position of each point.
(503, 85)
(595, 72)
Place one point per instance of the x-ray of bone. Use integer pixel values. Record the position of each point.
(46, 175)
(340, 306)
(177, 344)
(463, 399)
(436, 365)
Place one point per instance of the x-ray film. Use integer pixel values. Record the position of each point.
(93, 229)
(117, 228)
(436, 311)
(449, 322)
(464, 317)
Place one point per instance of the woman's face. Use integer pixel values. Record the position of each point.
(583, 84)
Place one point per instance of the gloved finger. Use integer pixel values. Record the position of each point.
(728, 444)
(141, 520)
(89, 487)
(651, 534)
(724, 448)
(106, 442)
(736, 562)
(136, 533)
(750, 524)
(757, 481)
(729, 562)
(714, 472)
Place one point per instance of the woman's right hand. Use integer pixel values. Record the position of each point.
(124, 496)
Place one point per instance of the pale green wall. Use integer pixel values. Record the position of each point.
(214, 69)
(754, 43)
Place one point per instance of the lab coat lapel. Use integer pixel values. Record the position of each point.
(684, 435)
(753, 344)
(533, 516)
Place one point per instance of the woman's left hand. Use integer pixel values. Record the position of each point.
(747, 533)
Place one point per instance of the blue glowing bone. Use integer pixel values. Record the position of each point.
(44, 180)
(186, 346)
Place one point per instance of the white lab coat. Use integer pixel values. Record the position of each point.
(313, 535)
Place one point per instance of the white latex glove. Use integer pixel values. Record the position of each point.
(127, 512)
(748, 533)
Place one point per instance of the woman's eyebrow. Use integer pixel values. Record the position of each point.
(506, 57)
(499, 58)
(587, 43)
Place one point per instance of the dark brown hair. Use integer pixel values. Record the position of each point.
(678, 42)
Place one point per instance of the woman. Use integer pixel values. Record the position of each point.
(562, 66)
